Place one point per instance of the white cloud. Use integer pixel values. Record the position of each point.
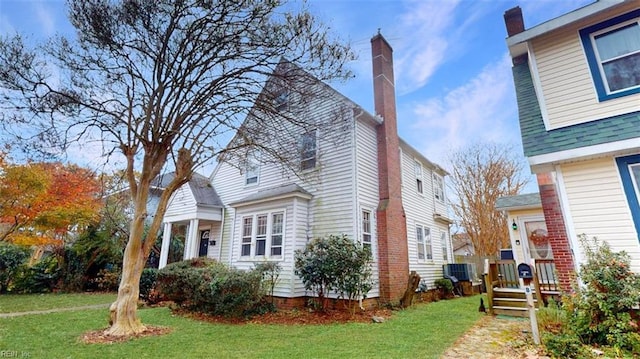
(428, 23)
(483, 109)
(46, 18)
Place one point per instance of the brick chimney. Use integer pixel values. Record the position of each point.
(514, 21)
(393, 254)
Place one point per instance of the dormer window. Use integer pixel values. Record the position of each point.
(613, 53)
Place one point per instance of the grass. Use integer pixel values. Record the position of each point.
(423, 331)
(10, 303)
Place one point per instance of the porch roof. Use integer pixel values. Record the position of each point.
(284, 191)
(521, 201)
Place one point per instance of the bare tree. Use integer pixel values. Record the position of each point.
(165, 83)
(480, 174)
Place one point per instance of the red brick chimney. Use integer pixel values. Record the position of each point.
(514, 21)
(393, 254)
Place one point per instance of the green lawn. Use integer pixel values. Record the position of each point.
(10, 303)
(423, 331)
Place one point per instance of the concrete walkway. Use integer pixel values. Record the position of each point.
(55, 310)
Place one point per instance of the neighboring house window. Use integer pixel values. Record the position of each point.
(308, 150)
(445, 247)
(262, 235)
(438, 187)
(629, 168)
(252, 171)
(366, 229)
(613, 53)
(418, 170)
(281, 100)
(423, 238)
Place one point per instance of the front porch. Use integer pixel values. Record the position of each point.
(506, 291)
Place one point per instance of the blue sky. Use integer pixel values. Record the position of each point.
(453, 72)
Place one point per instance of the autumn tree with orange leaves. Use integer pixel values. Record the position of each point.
(41, 202)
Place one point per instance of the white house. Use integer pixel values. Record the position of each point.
(577, 80)
(357, 177)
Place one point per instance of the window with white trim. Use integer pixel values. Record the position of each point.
(262, 235)
(423, 240)
(612, 48)
(308, 147)
(366, 229)
(445, 246)
(418, 171)
(252, 171)
(438, 187)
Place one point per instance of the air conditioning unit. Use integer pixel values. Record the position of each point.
(462, 271)
(506, 254)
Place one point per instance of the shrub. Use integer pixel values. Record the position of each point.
(11, 258)
(445, 285)
(41, 277)
(147, 282)
(108, 279)
(73, 276)
(602, 307)
(270, 273)
(335, 263)
(205, 285)
(552, 318)
(565, 345)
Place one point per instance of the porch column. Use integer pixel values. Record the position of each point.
(191, 245)
(166, 240)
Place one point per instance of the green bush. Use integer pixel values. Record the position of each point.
(108, 279)
(602, 307)
(205, 285)
(270, 273)
(11, 258)
(565, 345)
(147, 282)
(42, 277)
(337, 264)
(444, 284)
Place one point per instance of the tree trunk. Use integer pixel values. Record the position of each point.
(123, 313)
(412, 285)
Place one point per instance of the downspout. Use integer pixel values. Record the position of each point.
(221, 235)
(356, 197)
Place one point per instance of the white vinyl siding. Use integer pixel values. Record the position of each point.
(419, 210)
(568, 90)
(598, 206)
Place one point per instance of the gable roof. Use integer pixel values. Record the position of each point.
(521, 201)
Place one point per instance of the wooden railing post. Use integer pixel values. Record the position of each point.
(488, 282)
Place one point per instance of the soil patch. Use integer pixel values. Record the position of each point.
(295, 317)
(99, 337)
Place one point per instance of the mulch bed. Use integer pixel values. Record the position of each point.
(281, 317)
(99, 337)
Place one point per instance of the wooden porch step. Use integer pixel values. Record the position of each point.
(510, 311)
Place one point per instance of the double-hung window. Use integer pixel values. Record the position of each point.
(613, 53)
(262, 235)
(366, 229)
(445, 247)
(252, 171)
(418, 171)
(629, 168)
(423, 239)
(308, 151)
(438, 188)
